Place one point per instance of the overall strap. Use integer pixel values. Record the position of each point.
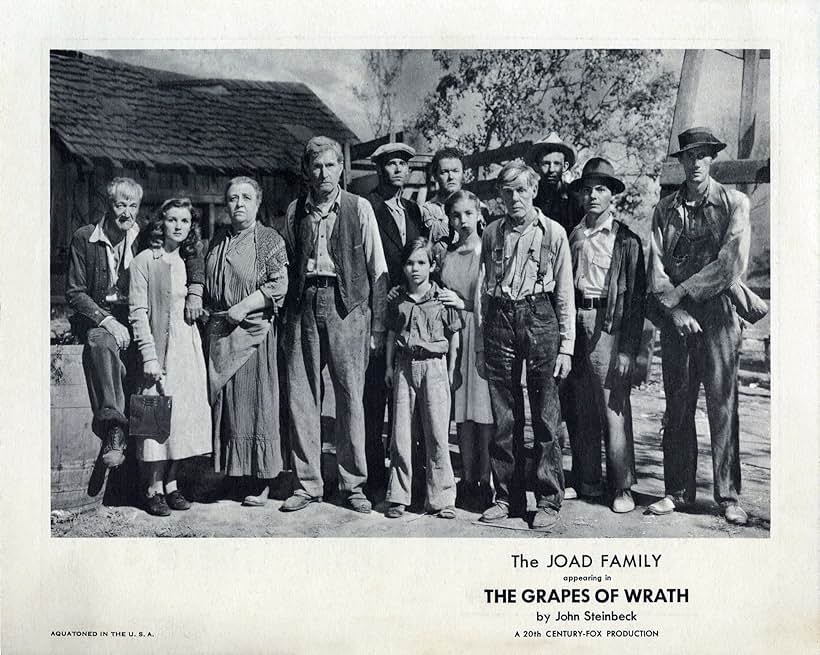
(546, 240)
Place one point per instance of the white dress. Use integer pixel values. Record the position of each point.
(185, 382)
(460, 273)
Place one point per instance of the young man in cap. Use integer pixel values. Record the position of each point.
(399, 221)
(97, 290)
(699, 250)
(335, 305)
(528, 309)
(610, 288)
(552, 158)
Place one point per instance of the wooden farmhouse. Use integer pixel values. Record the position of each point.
(171, 133)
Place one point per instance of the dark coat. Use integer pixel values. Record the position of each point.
(389, 233)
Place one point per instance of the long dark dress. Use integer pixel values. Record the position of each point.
(242, 368)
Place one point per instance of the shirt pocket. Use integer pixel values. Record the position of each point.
(434, 325)
(530, 272)
(602, 261)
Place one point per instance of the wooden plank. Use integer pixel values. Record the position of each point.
(364, 150)
(748, 103)
(738, 171)
(159, 195)
(687, 95)
(497, 155)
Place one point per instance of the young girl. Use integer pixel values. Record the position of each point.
(171, 350)
(421, 347)
(474, 419)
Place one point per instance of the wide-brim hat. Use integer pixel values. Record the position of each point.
(552, 143)
(600, 169)
(392, 150)
(695, 137)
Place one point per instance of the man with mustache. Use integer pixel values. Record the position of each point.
(698, 252)
(97, 291)
(399, 221)
(336, 305)
(528, 315)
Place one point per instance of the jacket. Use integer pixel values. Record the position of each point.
(149, 304)
(389, 233)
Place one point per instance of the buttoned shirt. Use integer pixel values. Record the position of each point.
(371, 245)
(397, 212)
(726, 211)
(591, 249)
(522, 246)
(425, 323)
(119, 256)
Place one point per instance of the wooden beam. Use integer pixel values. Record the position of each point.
(748, 103)
(687, 95)
(737, 171)
(497, 155)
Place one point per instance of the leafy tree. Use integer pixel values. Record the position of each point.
(613, 103)
(378, 95)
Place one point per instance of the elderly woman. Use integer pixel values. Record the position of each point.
(246, 281)
(171, 351)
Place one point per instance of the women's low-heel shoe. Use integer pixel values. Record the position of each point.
(175, 500)
(156, 506)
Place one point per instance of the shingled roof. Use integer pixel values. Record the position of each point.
(132, 115)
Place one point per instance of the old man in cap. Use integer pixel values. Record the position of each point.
(552, 158)
(699, 251)
(399, 221)
(610, 291)
(335, 309)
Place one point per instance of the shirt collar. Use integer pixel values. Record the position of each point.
(99, 234)
(606, 226)
(540, 220)
(432, 292)
(311, 204)
(711, 197)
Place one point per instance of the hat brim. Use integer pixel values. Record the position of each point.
(539, 149)
(395, 154)
(612, 183)
(715, 146)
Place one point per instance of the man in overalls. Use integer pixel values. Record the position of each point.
(699, 249)
(528, 309)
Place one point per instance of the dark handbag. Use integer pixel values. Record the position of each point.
(150, 416)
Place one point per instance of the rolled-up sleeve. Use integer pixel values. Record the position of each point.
(564, 294)
(376, 264)
(733, 257)
(138, 309)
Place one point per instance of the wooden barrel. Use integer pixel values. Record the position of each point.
(75, 485)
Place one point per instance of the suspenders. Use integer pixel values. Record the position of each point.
(498, 254)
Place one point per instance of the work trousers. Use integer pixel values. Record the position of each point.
(421, 385)
(603, 409)
(109, 375)
(317, 335)
(710, 357)
(516, 332)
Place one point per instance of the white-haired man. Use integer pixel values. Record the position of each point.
(528, 312)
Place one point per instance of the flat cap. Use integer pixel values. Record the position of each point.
(391, 150)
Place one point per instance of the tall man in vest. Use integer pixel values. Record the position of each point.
(336, 303)
(97, 291)
(699, 250)
(528, 310)
(399, 221)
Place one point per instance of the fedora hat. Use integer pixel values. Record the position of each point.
(391, 150)
(695, 137)
(598, 168)
(552, 143)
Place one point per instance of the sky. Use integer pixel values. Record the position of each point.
(330, 73)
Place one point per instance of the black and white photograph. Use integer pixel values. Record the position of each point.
(353, 293)
(356, 327)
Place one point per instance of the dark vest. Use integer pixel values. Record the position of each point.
(344, 247)
(389, 233)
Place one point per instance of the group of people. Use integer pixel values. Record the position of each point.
(427, 312)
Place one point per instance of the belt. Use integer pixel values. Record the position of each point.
(417, 352)
(509, 303)
(589, 303)
(321, 281)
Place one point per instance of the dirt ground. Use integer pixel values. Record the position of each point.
(227, 518)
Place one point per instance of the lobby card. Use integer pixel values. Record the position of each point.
(597, 581)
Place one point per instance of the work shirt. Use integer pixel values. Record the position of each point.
(723, 214)
(522, 247)
(591, 249)
(322, 222)
(397, 212)
(119, 256)
(425, 324)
